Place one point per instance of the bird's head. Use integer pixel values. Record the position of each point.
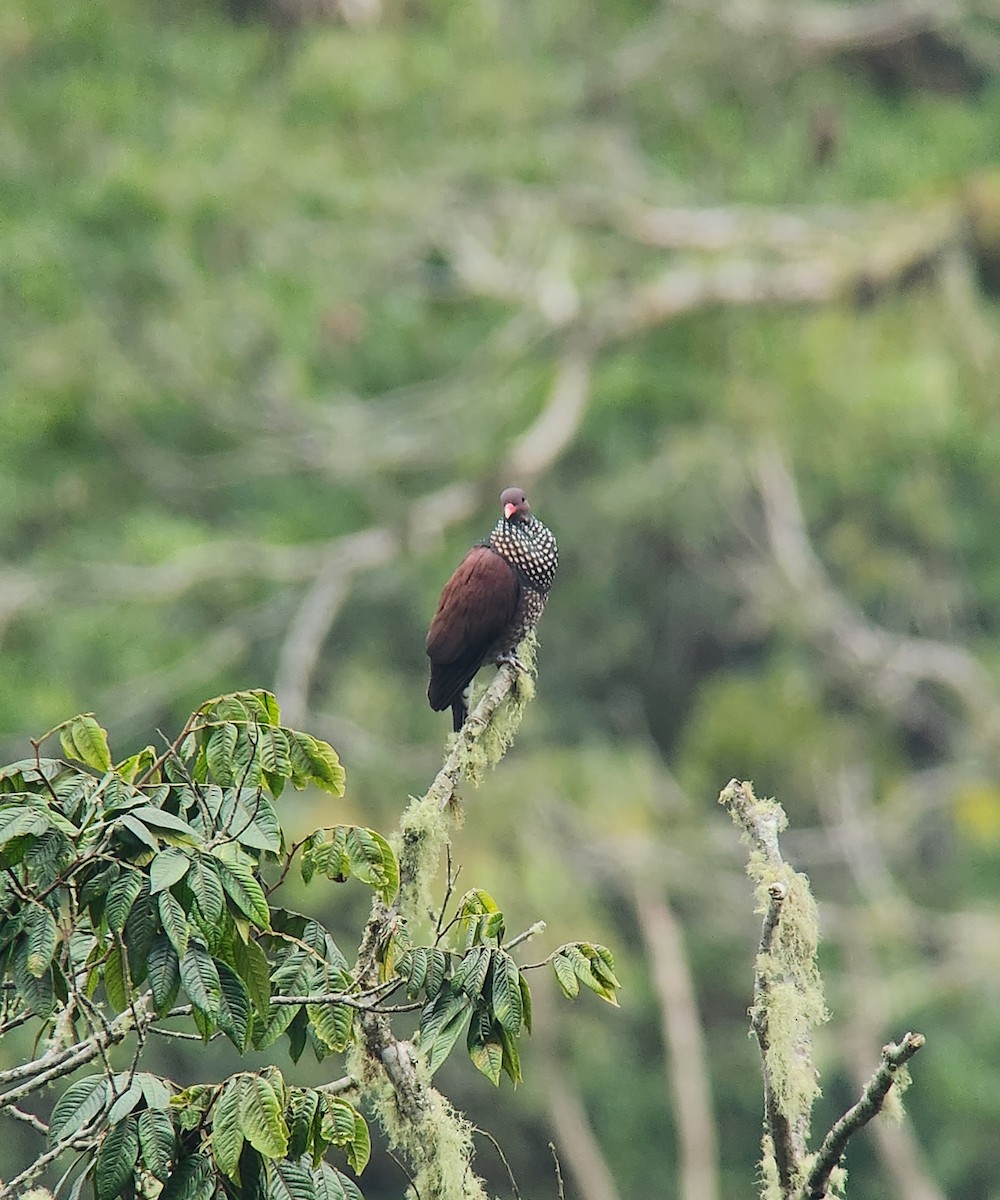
(514, 503)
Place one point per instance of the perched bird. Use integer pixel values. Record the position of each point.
(490, 604)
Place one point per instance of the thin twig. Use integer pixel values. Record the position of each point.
(560, 1189)
(538, 927)
(503, 1158)
(28, 1118)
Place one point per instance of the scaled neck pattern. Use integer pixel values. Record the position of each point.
(529, 547)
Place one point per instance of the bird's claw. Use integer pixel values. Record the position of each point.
(513, 661)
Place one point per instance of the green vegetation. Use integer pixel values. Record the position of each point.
(286, 303)
(128, 885)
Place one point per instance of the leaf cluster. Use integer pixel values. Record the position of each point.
(139, 892)
(476, 987)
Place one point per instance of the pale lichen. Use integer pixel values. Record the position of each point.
(436, 1144)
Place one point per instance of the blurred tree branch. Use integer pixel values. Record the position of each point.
(891, 666)
(687, 1061)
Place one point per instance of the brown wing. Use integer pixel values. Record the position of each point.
(478, 603)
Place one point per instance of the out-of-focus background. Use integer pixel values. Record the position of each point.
(289, 289)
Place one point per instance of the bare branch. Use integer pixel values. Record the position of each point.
(686, 1066)
(559, 421)
(891, 666)
(301, 649)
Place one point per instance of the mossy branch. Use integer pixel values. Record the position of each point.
(787, 1004)
(891, 1071)
(433, 1139)
(788, 992)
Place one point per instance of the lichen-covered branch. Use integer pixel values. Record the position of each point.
(787, 1156)
(787, 1003)
(788, 993)
(891, 1071)
(433, 1139)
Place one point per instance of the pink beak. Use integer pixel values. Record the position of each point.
(509, 510)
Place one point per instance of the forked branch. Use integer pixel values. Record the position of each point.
(787, 1003)
(894, 1056)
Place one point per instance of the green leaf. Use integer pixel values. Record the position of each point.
(117, 986)
(234, 1007)
(359, 1148)
(137, 830)
(116, 1159)
(154, 1091)
(167, 868)
(36, 991)
(525, 1001)
(265, 705)
(592, 968)
(19, 819)
(140, 929)
(511, 1057)
(337, 1120)
(314, 761)
(219, 753)
(191, 1179)
(126, 1100)
(46, 855)
(96, 888)
(372, 861)
(84, 740)
(227, 1134)
(242, 887)
(77, 1107)
(566, 976)
(41, 932)
(121, 896)
(333, 1024)
(479, 918)
(291, 1181)
(165, 823)
(204, 882)
(246, 816)
(603, 964)
(330, 858)
(331, 1184)
(485, 1046)
(174, 921)
(274, 755)
(164, 973)
(506, 992)
(157, 1141)
(190, 1107)
(293, 978)
(412, 965)
(200, 979)
(136, 764)
(342, 1125)
(304, 1105)
(252, 967)
(261, 1118)
(437, 966)
(441, 1024)
(470, 974)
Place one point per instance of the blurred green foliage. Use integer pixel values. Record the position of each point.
(251, 304)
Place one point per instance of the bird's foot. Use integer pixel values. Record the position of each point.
(511, 660)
